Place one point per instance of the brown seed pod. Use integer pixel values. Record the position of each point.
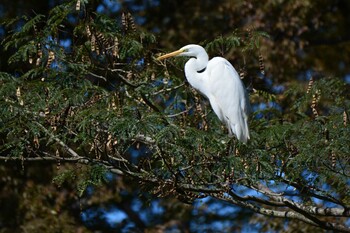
(131, 22)
(333, 159)
(39, 54)
(19, 96)
(102, 40)
(261, 64)
(314, 104)
(50, 59)
(124, 22)
(77, 5)
(88, 31)
(93, 43)
(115, 51)
(309, 86)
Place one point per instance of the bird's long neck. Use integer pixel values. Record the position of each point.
(193, 69)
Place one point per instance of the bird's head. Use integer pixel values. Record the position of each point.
(191, 50)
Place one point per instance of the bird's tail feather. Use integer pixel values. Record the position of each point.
(240, 131)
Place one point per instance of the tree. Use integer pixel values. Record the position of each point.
(85, 92)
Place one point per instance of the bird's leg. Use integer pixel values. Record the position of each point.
(231, 151)
(231, 147)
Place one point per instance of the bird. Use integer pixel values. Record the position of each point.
(220, 83)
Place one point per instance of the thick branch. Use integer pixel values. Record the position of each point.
(278, 197)
(289, 214)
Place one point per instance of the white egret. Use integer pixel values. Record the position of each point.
(218, 80)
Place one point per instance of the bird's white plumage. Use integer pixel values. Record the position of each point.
(221, 84)
(228, 96)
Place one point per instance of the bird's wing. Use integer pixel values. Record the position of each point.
(230, 95)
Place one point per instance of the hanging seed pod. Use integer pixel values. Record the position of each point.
(50, 59)
(39, 54)
(189, 179)
(261, 64)
(77, 6)
(47, 110)
(223, 175)
(249, 31)
(309, 86)
(314, 104)
(131, 22)
(30, 55)
(326, 135)
(115, 51)
(113, 104)
(237, 152)
(19, 97)
(102, 40)
(97, 47)
(88, 31)
(245, 164)
(93, 43)
(124, 22)
(333, 159)
(318, 94)
(345, 118)
(35, 29)
(36, 142)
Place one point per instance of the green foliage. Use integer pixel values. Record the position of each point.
(255, 38)
(67, 175)
(223, 44)
(58, 16)
(84, 178)
(130, 48)
(96, 175)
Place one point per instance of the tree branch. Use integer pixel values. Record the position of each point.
(298, 211)
(60, 142)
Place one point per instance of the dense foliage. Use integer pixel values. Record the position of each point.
(82, 90)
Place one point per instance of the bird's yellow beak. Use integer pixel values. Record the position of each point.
(172, 54)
